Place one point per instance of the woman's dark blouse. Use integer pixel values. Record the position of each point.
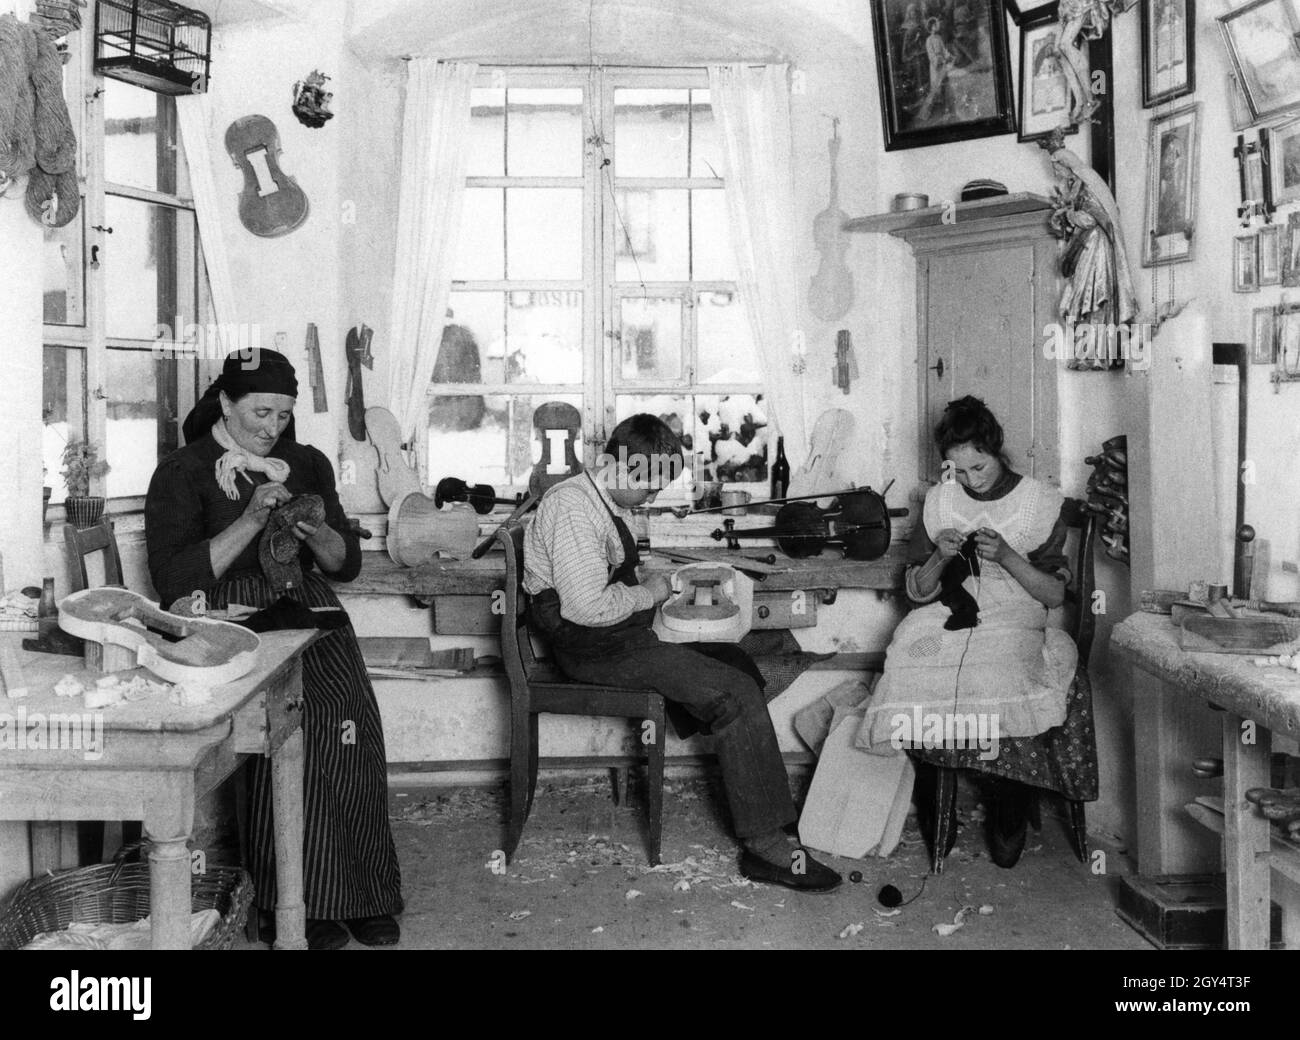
(186, 509)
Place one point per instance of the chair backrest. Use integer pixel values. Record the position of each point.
(81, 542)
(1079, 592)
(516, 648)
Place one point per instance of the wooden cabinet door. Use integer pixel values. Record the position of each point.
(978, 337)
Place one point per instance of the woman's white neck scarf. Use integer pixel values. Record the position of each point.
(237, 461)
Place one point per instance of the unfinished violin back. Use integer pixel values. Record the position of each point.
(207, 652)
(710, 602)
(418, 530)
(820, 471)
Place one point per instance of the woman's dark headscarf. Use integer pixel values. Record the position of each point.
(244, 372)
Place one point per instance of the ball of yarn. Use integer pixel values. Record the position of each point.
(889, 896)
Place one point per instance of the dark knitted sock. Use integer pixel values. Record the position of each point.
(952, 594)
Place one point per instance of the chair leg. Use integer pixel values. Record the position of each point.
(520, 732)
(655, 789)
(1079, 830)
(532, 763)
(945, 815)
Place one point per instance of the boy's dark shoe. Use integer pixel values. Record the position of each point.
(814, 877)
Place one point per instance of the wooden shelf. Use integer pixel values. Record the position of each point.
(898, 224)
(1285, 855)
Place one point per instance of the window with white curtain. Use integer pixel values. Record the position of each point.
(595, 268)
(123, 278)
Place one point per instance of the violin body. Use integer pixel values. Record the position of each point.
(271, 203)
(710, 602)
(396, 478)
(358, 459)
(831, 439)
(418, 530)
(830, 295)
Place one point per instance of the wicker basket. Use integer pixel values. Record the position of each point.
(118, 893)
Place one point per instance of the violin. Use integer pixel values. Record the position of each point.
(858, 521)
(831, 293)
(271, 203)
(358, 459)
(481, 496)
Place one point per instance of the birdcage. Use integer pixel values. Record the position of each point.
(153, 44)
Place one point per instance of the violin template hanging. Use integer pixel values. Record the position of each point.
(830, 294)
(271, 203)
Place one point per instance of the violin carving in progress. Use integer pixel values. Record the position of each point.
(271, 203)
(710, 602)
(178, 649)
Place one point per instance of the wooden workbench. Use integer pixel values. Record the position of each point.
(152, 761)
(1255, 702)
(381, 576)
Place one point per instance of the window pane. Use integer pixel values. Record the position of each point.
(517, 337)
(726, 347)
(481, 253)
(63, 409)
(65, 273)
(486, 148)
(150, 264)
(544, 132)
(713, 259)
(139, 390)
(729, 432)
(706, 146)
(650, 235)
(651, 132)
(488, 439)
(650, 338)
(140, 139)
(544, 232)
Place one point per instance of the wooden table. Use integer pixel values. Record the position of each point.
(150, 760)
(1256, 702)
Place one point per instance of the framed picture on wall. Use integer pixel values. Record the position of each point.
(1288, 341)
(1261, 42)
(1168, 50)
(1245, 263)
(1291, 251)
(1263, 336)
(1270, 254)
(1237, 107)
(1284, 161)
(1256, 192)
(943, 70)
(1044, 93)
(1172, 148)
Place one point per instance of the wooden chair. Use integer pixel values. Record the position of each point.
(1076, 782)
(81, 542)
(536, 687)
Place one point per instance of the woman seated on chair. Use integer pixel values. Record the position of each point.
(207, 507)
(975, 663)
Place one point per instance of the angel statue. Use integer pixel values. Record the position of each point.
(1083, 20)
(1098, 283)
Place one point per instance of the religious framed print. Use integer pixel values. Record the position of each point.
(1168, 50)
(1245, 263)
(1284, 161)
(1263, 335)
(1270, 254)
(1044, 93)
(1172, 148)
(1261, 42)
(943, 71)
(1291, 252)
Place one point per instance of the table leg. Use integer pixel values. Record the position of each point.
(1246, 843)
(167, 826)
(286, 802)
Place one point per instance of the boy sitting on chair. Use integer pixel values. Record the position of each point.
(580, 571)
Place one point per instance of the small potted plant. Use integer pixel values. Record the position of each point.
(81, 465)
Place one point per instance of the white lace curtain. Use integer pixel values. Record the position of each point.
(752, 107)
(435, 128)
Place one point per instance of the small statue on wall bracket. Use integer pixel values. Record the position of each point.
(1083, 20)
(311, 101)
(1098, 290)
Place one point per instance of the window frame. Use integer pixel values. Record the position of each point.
(85, 93)
(602, 382)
